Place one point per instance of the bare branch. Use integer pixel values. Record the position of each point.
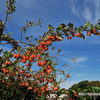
(4, 43)
(9, 39)
(25, 43)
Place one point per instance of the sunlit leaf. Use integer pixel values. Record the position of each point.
(50, 27)
(87, 23)
(62, 25)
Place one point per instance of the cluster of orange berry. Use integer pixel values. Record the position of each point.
(33, 56)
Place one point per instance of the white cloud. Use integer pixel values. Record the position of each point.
(81, 59)
(87, 13)
(88, 9)
(97, 9)
(78, 60)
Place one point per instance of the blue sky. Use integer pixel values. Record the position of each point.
(55, 12)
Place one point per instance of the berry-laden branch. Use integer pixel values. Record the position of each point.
(46, 74)
(31, 71)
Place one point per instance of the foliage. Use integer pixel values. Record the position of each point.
(17, 79)
(84, 87)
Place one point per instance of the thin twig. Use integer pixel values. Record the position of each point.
(4, 43)
(24, 43)
(6, 17)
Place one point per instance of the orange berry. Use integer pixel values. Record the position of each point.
(15, 55)
(94, 30)
(50, 80)
(44, 62)
(7, 71)
(18, 69)
(3, 81)
(38, 56)
(39, 62)
(77, 34)
(80, 35)
(14, 73)
(52, 87)
(55, 89)
(39, 94)
(18, 78)
(50, 70)
(61, 39)
(28, 75)
(22, 72)
(47, 89)
(24, 60)
(68, 37)
(42, 42)
(37, 75)
(30, 88)
(57, 36)
(32, 84)
(9, 63)
(49, 42)
(26, 85)
(37, 81)
(27, 53)
(75, 94)
(30, 59)
(89, 33)
(42, 88)
(42, 74)
(49, 67)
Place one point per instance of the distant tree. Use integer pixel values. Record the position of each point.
(84, 87)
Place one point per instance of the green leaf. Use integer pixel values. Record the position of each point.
(62, 25)
(97, 26)
(37, 41)
(27, 37)
(74, 91)
(54, 70)
(46, 54)
(7, 54)
(46, 37)
(65, 29)
(50, 27)
(83, 37)
(58, 29)
(91, 26)
(10, 68)
(60, 38)
(17, 72)
(85, 90)
(87, 23)
(70, 25)
(80, 31)
(58, 33)
(10, 33)
(4, 92)
(95, 89)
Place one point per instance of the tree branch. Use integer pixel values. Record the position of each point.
(9, 39)
(25, 43)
